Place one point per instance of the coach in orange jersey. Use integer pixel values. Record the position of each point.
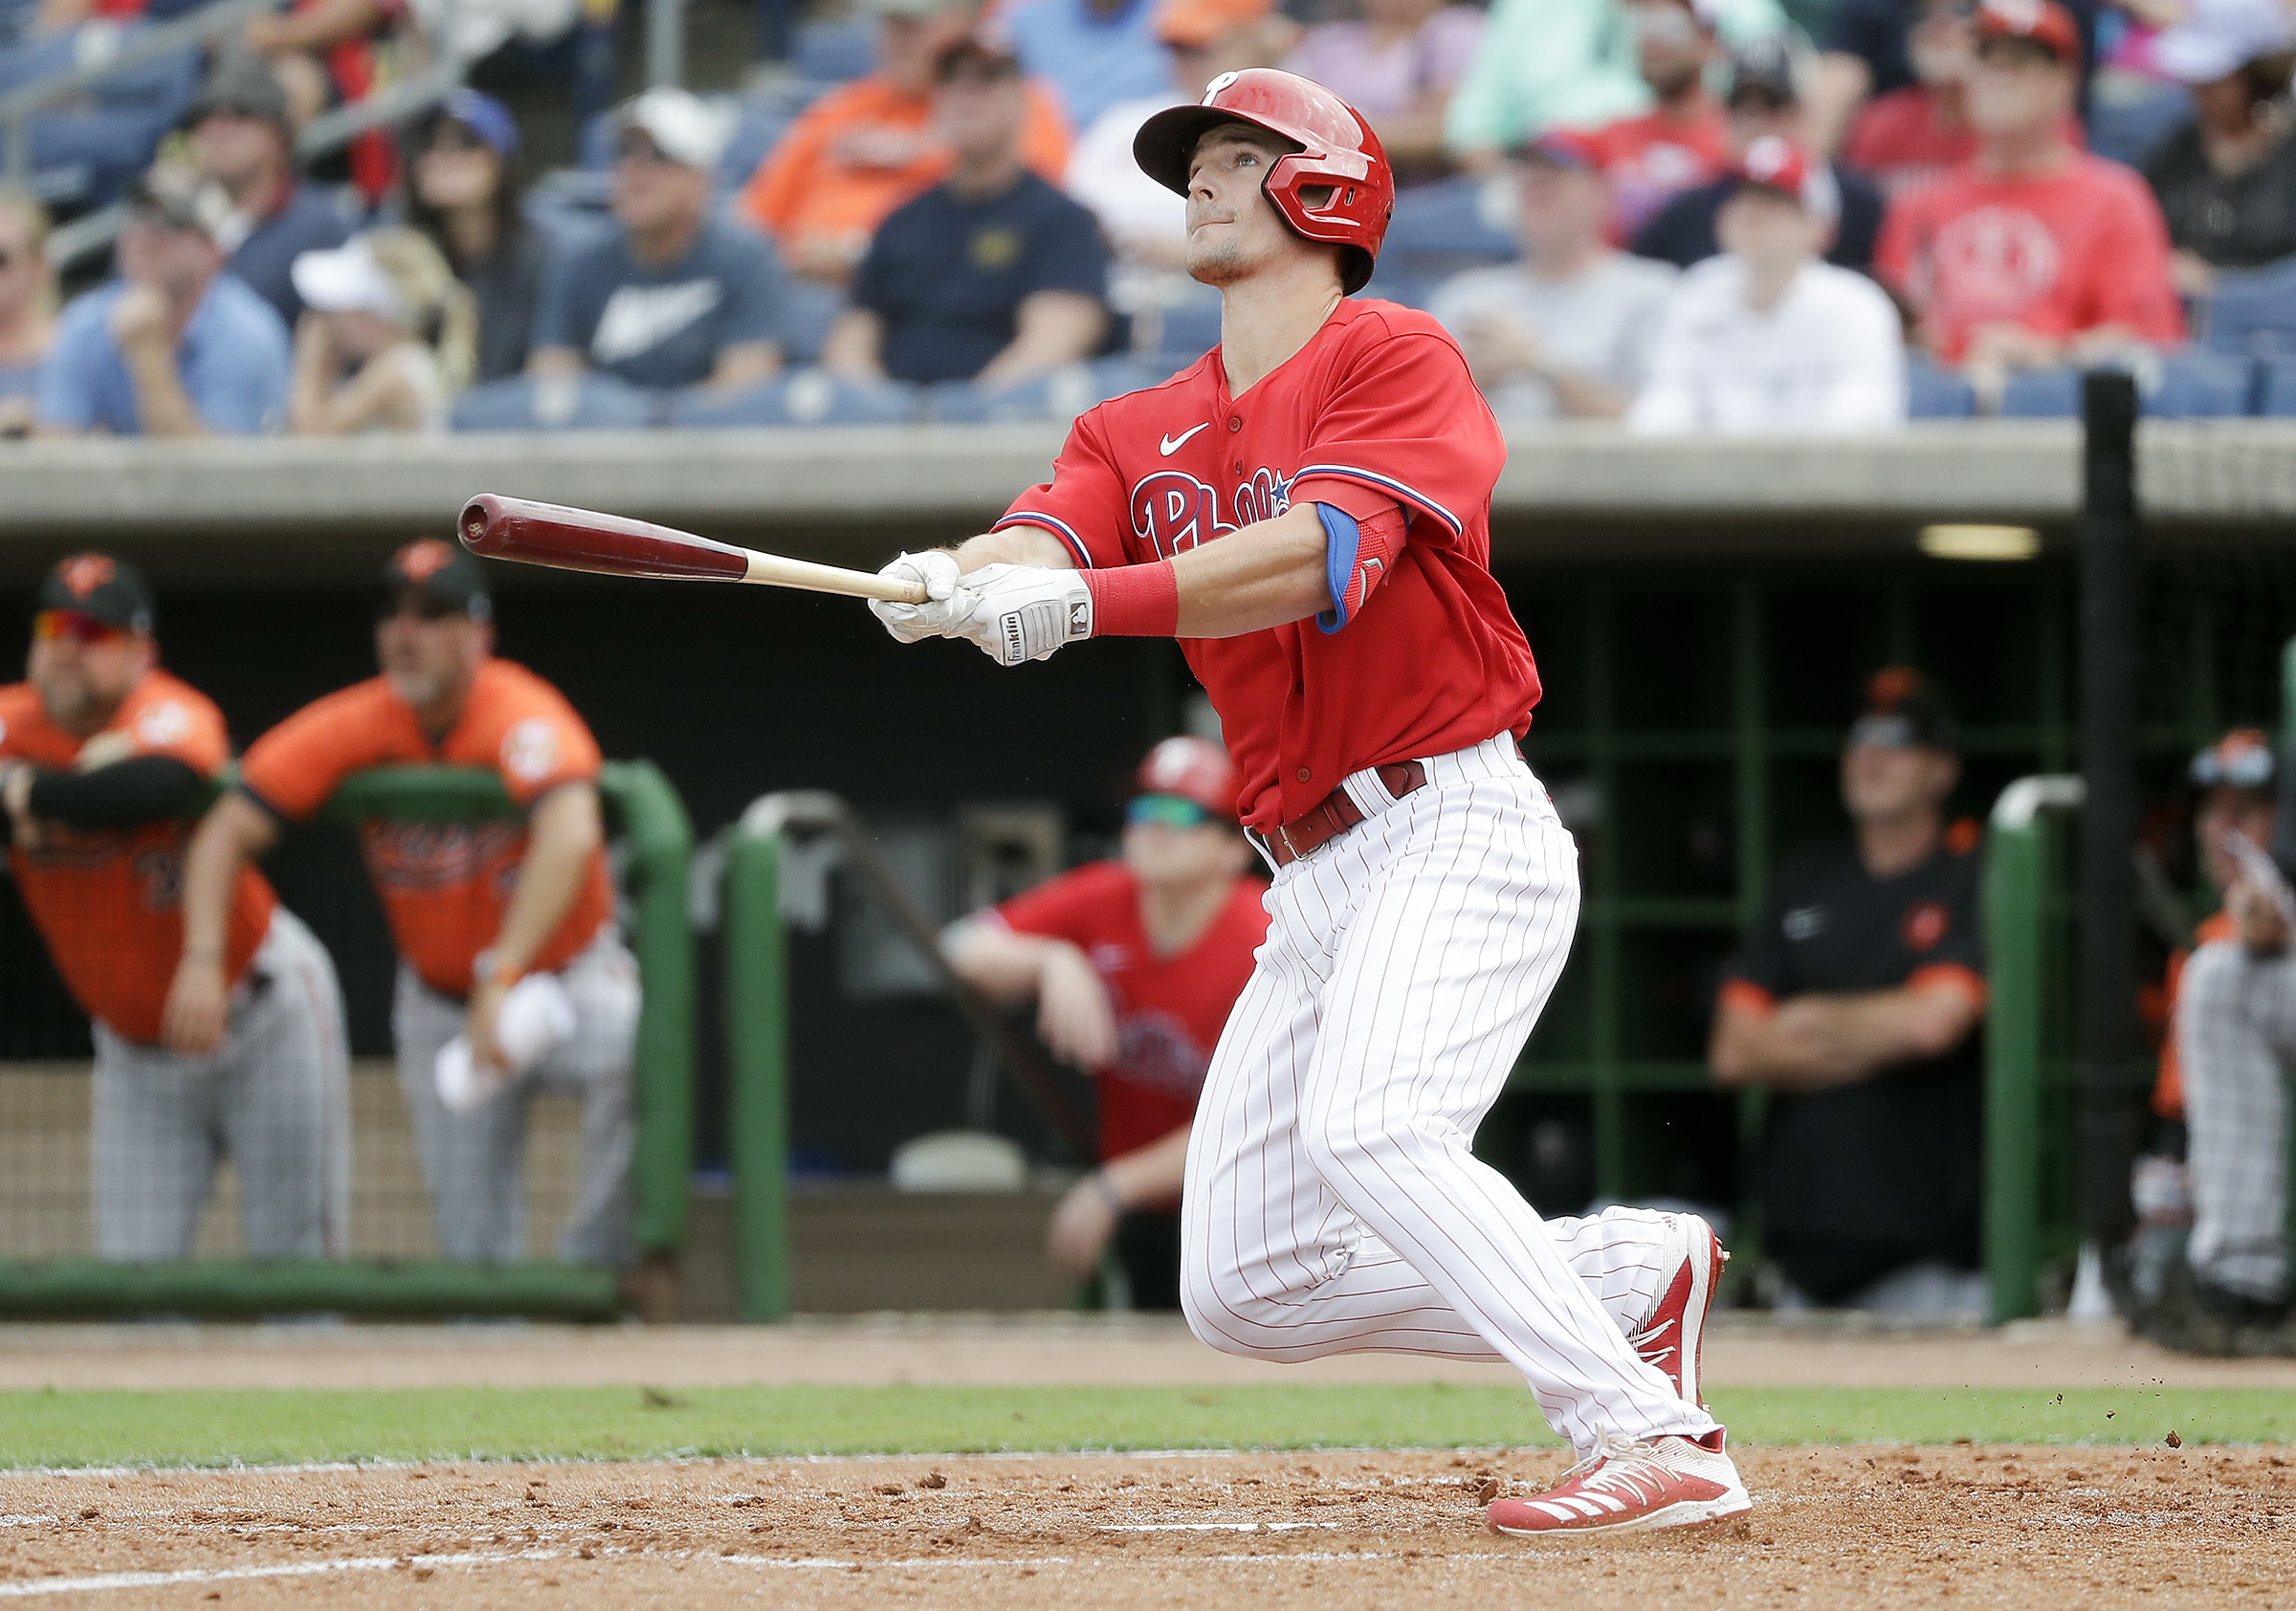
(104, 762)
(512, 976)
(1134, 965)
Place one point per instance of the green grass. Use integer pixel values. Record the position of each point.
(259, 1427)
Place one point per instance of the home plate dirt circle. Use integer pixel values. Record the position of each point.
(1834, 1527)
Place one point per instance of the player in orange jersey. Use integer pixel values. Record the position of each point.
(512, 975)
(105, 761)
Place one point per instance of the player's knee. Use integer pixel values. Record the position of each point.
(1208, 1304)
(1340, 1149)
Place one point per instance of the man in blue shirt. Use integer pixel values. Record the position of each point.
(674, 297)
(242, 138)
(1094, 52)
(993, 275)
(176, 346)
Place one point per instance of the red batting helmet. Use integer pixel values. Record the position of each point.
(1336, 150)
(1195, 769)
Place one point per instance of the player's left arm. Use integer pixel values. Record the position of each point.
(1086, 1216)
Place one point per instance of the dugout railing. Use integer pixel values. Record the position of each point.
(655, 842)
(753, 939)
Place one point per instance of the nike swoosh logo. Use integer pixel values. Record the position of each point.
(1170, 445)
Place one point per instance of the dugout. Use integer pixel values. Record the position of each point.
(1703, 613)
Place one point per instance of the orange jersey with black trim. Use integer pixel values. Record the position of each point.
(445, 886)
(109, 901)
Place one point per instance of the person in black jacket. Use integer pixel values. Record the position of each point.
(1764, 100)
(1856, 1003)
(2227, 178)
(465, 190)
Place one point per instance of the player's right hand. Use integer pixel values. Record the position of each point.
(933, 619)
(198, 1008)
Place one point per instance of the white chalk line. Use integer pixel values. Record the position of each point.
(108, 1581)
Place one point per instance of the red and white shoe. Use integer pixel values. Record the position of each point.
(1672, 1336)
(1630, 1487)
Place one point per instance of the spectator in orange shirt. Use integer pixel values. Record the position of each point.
(2035, 254)
(104, 759)
(1684, 140)
(861, 151)
(512, 976)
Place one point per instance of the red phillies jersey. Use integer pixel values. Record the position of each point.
(1169, 1009)
(109, 901)
(2057, 253)
(1376, 411)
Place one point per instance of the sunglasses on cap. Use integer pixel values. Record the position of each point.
(2241, 761)
(49, 625)
(1166, 810)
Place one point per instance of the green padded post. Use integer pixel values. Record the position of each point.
(757, 1041)
(661, 855)
(2016, 866)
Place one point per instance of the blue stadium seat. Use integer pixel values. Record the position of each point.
(1395, 285)
(2128, 118)
(2042, 395)
(2196, 386)
(1934, 393)
(809, 397)
(832, 52)
(2252, 312)
(2275, 388)
(758, 126)
(807, 316)
(1439, 228)
(1061, 395)
(1184, 332)
(587, 403)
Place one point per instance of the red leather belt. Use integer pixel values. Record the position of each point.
(1336, 814)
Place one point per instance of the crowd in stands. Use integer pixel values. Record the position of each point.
(1681, 215)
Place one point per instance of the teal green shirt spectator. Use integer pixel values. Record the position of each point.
(1565, 64)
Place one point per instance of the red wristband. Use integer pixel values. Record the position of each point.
(1135, 600)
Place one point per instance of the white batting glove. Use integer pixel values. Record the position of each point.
(1023, 613)
(936, 617)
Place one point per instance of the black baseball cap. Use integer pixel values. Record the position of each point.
(101, 587)
(1902, 710)
(1764, 66)
(440, 574)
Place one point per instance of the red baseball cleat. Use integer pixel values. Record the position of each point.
(1673, 1334)
(1630, 1487)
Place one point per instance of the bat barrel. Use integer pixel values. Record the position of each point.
(551, 534)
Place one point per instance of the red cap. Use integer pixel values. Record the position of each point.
(1775, 165)
(1194, 769)
(2044, 22)
(1563, 148)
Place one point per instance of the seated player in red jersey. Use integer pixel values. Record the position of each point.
(1134, 964)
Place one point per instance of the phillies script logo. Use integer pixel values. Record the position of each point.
(1173, 512)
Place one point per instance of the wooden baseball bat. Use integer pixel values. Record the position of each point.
(551, 534)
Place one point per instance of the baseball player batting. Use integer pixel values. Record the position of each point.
(1307, 508)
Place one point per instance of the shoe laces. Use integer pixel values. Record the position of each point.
(1648, 1342)
(1619, 1465)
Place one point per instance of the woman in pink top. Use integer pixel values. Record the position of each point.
(1396, 66)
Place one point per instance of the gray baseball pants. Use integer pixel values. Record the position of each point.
(474, 1162)
(2236, 1039)
(275, 1101)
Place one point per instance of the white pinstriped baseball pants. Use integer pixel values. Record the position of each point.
(1334, 1204)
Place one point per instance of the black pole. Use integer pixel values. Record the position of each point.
(2107, 1044)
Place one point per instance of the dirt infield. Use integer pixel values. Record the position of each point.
(1833, 1528)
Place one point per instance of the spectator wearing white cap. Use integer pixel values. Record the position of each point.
(1768, 337)
(675, 296)
(388, 336)
(2227, 178)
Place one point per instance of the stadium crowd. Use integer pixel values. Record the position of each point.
(1683, 214)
